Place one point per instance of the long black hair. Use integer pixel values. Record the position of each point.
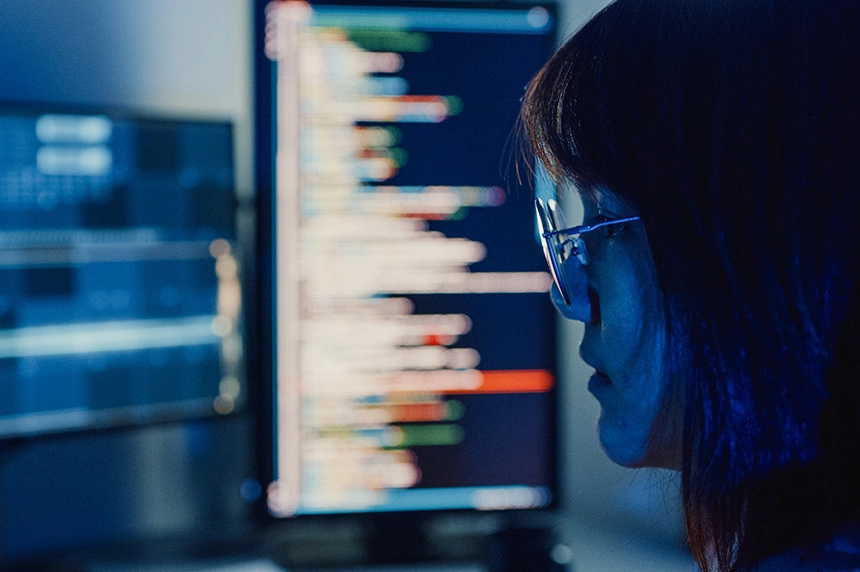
(734, 127)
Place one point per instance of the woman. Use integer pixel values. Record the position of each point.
(722, 313)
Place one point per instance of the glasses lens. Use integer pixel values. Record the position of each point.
(549, 220)
(566, 245)
(544, 227)
(578, 249)
(556, 215)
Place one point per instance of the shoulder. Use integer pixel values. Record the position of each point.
(840, 553)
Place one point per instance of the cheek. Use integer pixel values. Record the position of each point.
(630, 336)
(628, 408)
(621, 332)
(631, 319)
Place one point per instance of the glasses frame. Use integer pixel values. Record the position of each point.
(560, 244)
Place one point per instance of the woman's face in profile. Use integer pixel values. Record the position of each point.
(624, 340)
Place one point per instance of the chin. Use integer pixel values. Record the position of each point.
(635, 449)
(623, 444)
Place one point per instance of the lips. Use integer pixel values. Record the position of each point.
(598, 380)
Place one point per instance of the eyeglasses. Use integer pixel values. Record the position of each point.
(560, 242)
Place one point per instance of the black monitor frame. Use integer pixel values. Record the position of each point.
(132, 420)
(377, 533)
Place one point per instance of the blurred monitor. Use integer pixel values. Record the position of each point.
(410, 339)
(119, 296)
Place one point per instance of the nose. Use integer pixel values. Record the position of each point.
(580, 306)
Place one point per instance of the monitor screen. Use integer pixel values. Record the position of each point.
(119, 297)
(412, 337)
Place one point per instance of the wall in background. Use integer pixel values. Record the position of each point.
(192, 58)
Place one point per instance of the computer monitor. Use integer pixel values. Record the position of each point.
(119, 294)
(410, 335)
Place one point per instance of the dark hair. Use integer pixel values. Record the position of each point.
(734, 127)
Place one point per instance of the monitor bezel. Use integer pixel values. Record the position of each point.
(262, 349)
(127, 423)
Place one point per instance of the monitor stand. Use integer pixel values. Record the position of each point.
(498, 543)
(424, 537)
(385, 538)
